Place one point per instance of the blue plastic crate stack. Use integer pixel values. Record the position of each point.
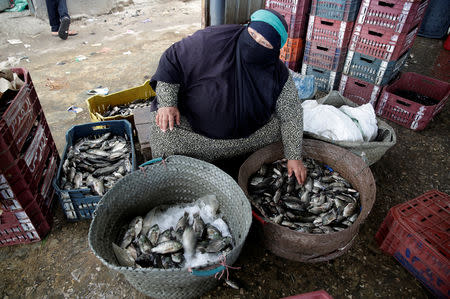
(295, 13)
(382, 38)
(29, 160)
(329, 30)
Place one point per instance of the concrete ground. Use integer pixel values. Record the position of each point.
(122, 50)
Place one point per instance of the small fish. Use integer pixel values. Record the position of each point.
(146, 260)
(98, 186)
(128, 237)
(349, 209)
(232, 284)
(144, 244)
(132, 251)
(181, 224)
(189, 241)
(177, 257)
(165, 236)
(217, 245)
(123, 257)
(148, 220)
(212, 232)
(153, 234)
(199, 225)
(167, 247)
(72, 173)
(78, 180)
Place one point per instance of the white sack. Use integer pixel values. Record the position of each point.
(329, 122)
(365, 115)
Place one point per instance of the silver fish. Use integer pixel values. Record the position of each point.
(181, 224)
(232, 284)
(349, 209)
(148, 220)
(128, 237)
(212, 232)
(153, 234)
(198, 225)
(167, 247)
(123, 257)
(144, 244)
(217, 245)
(132, 251)
(78, 180)
(189, 240)
(98, 186)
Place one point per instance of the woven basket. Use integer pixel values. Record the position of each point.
(178, 179)
(305, 247)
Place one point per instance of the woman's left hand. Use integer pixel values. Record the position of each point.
(297, 167)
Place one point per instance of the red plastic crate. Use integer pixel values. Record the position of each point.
(312, 295)
(381, 43)
(295, 12)
(292, 50)
(17, 120)
(359, 91)
(25, 171)
(16, 228)
(395, 15)
(417, 234)
(329, 32)
(324, 56)
(406, 112)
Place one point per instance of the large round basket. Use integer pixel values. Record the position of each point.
(305, 247)
(177, 179)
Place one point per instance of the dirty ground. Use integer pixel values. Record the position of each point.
(63, 266)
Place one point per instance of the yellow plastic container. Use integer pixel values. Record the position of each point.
(98, 104)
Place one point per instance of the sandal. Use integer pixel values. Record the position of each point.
(63, 31)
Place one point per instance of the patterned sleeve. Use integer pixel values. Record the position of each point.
(167, 94)
(289, 111)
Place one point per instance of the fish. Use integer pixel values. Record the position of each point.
(147, 221)
(217, 245)
(144, 244)
(232, 284)
(198, 225)
(153, 234)
(177, 257)
(128, 237)
(181, 224)
(167, 247)
(126, 109)
(132, 251)
(146, 260)
(212, 232)
(123, 257)
(189, 240)
(325, 200)
(93, 157)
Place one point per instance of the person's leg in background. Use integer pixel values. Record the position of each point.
(53, 15)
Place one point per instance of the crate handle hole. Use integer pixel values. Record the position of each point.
(437, 236)
(443, 253)
(319, 71)
(440, 210)
(101, 127)
(371, 32)
(322, 48)
(404, 104)
(425, 200)
(431, 215)
(423, 219)
(382, 3)
(427, 241)
(367, 60)
(360, 84)
(326, 23)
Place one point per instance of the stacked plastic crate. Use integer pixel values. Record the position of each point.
(383, 35)
(296, 13)
(29, 160)
(329, 30)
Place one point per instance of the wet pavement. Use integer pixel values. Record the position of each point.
(62, 266)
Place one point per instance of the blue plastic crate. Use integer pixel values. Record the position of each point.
(324, 56)
(78, 204)
(325, 80)
(341, 10)
(371, 69)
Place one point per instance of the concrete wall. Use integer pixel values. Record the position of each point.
(81, 7)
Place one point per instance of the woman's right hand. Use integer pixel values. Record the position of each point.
(166, 117)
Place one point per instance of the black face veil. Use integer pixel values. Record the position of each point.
(229, 84)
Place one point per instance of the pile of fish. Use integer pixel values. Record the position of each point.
(126, 109)
(190, 241)
(325, 203)
(96, 162)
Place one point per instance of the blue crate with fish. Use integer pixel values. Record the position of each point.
(341, 10)
(325, 80)
(371, 69)
(96, 156)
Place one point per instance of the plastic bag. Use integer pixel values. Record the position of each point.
(305, 85)
(329, 122)
(366, 119)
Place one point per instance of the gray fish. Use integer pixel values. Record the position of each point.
(72, 173)
(123, 257)
(148, 220)
(127, 165)
(349, 209)
(232, 284)
(78, 180)
(153, 234)
(217, 245)
(353, 218)
(144, 244)
(198, 225)
(189, 240)
(165, 236)
(128, 237)
(98, 152)
(212, 232)
(66, 166)
(177, 257)
(181, 224)
(98, 186)
(147, 260)
(167, 247)
(132, 251)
